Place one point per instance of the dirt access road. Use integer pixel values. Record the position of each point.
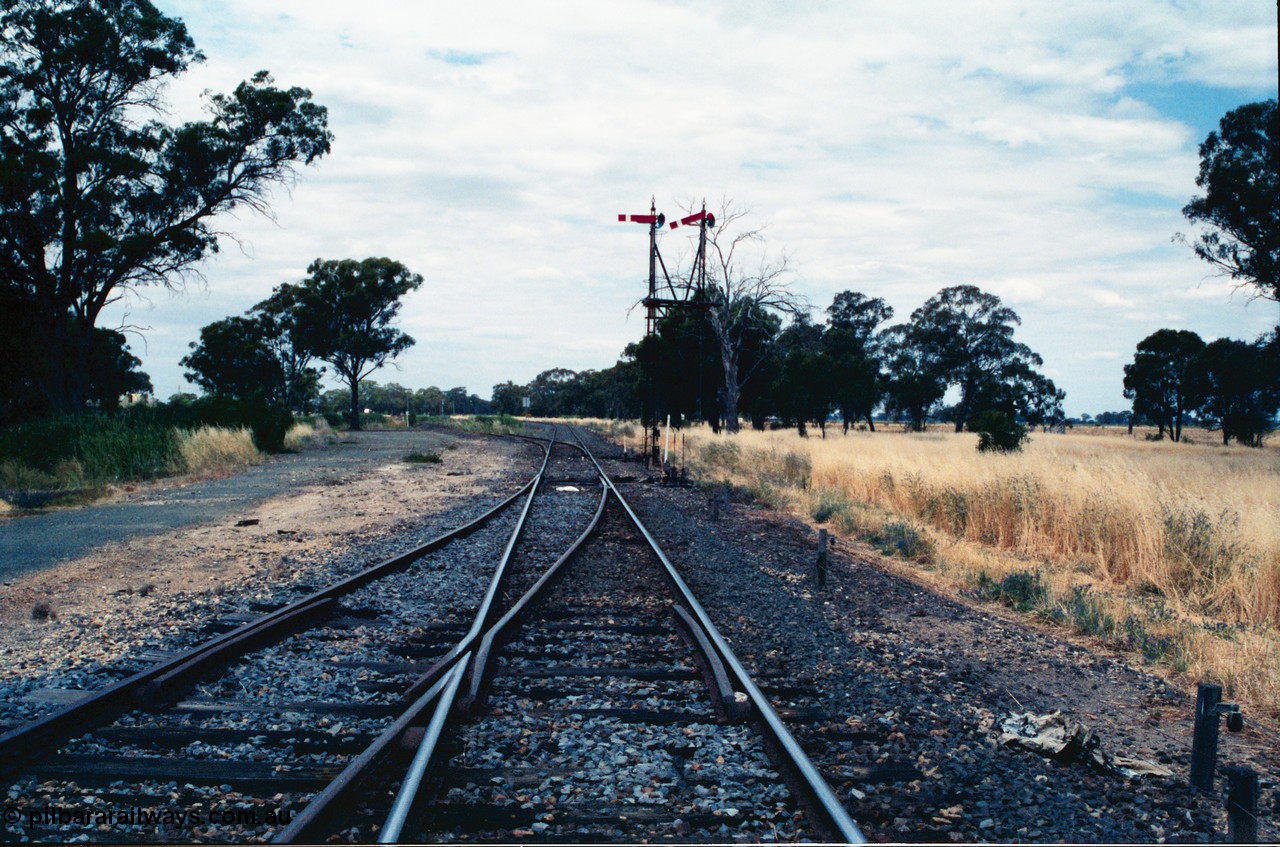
(33, 542)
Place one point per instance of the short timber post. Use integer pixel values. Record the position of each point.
(1204, 741)
(822, 558)
(1242, 805)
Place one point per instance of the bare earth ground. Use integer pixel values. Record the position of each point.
(125, 597)
(928, 672)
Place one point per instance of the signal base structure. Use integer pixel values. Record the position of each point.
(674, 296)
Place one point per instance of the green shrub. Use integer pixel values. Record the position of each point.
(899, 538)
(1023, 591)
(1152, 647)
(827, 505)
(88, 448)
(1080, 609)
(997, 432)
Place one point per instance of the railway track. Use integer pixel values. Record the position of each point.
(567, 688)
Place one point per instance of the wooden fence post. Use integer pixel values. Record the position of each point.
(822, 558)
(1242, 805)
(1204, 740)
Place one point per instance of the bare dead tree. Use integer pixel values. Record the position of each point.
(740, 297)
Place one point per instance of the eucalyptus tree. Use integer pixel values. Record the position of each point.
(98, 196)
(1160, 380)
(916, 383)
(344, 311)
(743, 285)
(854, 354)
(968, 336)
(285, 336)
(1236, 386)
(234, 358)
(804, 383)
(1240, 175)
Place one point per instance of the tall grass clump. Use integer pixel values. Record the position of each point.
(304, 433)
(209, 449)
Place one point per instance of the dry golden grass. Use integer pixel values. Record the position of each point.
(213, 449)
(305, 433)
(1178, 544)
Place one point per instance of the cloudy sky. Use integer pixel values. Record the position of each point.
(1042, 151)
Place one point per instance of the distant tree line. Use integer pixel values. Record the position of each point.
(855, 365)
(395, 399)
(560, 392)
(805, 373)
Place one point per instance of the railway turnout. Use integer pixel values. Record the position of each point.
(542, 672)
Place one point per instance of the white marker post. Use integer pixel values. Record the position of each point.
(666, 447)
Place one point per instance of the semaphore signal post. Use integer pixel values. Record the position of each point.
(662, 300)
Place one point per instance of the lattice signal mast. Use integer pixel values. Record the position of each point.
(673, 296)
(678, 294)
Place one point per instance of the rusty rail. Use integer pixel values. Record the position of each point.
(21, 745)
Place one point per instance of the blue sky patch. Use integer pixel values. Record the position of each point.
(1198, 106)
(465, 58)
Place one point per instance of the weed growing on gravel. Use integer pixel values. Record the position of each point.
(422, 458)
(42, 611)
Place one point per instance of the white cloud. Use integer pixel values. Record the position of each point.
(893, 149)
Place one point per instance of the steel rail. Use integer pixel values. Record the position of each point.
(479, 668)
(443, 665)
(21, 745)
(393, 826)
(304, 826)
(440, 682)
(831, 817)
(410, 787)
